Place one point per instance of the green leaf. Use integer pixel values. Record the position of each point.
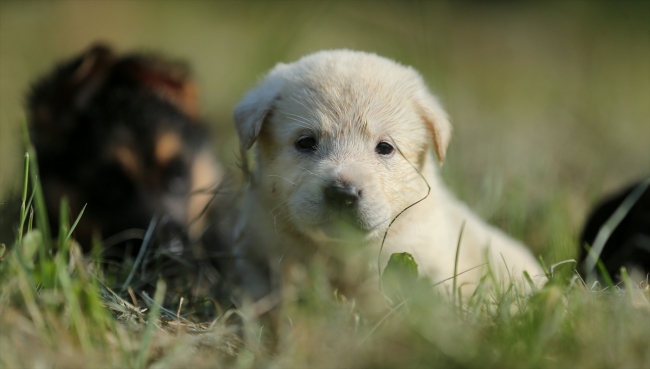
(402, 263)
(400, 276)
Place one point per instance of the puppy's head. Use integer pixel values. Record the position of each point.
(341, 137)
(122, 135)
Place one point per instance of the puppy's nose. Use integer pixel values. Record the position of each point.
(342, 194)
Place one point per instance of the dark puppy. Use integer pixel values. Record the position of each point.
(122, 134)
(628, 244)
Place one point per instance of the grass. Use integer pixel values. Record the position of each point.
(56, 310)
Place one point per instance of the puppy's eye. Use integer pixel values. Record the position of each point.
(384, 148)
(306, 144)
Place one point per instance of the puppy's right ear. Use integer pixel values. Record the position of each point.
(255, 106)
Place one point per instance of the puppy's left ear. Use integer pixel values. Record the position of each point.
(170, 80)
(437, 121)
(250, 113)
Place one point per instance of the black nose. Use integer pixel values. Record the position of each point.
(342, 194)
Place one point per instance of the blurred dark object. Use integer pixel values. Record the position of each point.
(123, 135)
(628, 245)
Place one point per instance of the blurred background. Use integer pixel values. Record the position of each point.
(550, 101)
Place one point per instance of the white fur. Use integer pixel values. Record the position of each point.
(350, 101)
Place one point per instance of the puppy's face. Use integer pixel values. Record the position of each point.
(341, 143)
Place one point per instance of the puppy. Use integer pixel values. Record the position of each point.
(342, 160)
(627, 244)
(122, 135)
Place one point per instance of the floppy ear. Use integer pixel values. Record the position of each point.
(73, 84)
(437, 121)
(55, 100)
(90, 73)
(250, 113)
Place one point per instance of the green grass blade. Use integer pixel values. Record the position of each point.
(39, 200)
(23, 206)
(31, 219)
(143, 354)
(530, 282)
(601, 268)
(63, 224)
(25, 285)
(627, 282)
(544, 267)
(72, 298)
(460, 238)
(603, 271)
(74, 225)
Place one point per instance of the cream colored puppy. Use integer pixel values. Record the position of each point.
(344, 143)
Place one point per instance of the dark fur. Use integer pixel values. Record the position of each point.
(629, 243)
(97, 106)
(92, 102)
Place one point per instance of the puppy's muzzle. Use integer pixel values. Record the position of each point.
(342, 195)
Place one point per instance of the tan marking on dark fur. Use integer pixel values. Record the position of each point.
(170, 83)
(185, 98)
(168, 145)
(128, 159)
